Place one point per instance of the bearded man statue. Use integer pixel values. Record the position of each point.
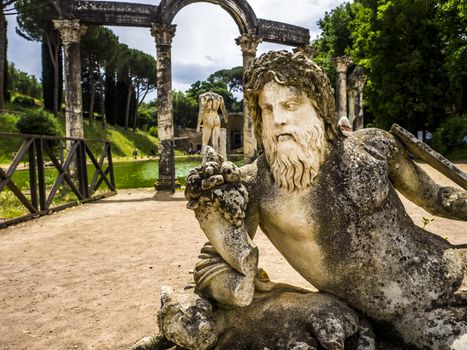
(328, 203)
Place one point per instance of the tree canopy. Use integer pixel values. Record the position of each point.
(232, 77)
(414, 53)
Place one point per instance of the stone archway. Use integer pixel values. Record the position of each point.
(240, 11)
(159, 18)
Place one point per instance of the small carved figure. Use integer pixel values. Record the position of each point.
(208, 117)
(371, 255)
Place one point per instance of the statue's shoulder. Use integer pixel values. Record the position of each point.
(375, 141)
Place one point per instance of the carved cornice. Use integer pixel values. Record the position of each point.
(70, 30)
(249, 43)
(163, 33)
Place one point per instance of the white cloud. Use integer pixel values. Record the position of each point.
(205, 38)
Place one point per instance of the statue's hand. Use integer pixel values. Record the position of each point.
(204, 183)
(198, 129)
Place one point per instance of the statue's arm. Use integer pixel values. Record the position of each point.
(414, 183)
(216, 191)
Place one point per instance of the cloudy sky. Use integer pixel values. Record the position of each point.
(204, 41)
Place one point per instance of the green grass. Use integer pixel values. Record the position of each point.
(10, 206)
(123, 141)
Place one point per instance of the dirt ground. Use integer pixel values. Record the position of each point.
(89, 277)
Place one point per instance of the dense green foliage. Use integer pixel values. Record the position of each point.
(22, 101)
(335, 39)
(23, 83)
(448, 138)
(414, 53)
(147, 115)
(232, 77)
(39, 122)
(185, 109)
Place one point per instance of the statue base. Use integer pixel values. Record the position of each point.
(274, 320)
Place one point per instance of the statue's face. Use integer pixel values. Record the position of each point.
(293, 135)
(286, 112)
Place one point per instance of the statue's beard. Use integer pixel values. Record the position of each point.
(295, 159)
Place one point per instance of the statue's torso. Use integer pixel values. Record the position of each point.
(349, 234)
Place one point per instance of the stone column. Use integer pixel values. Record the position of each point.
(70, 33)
(163, 34)
(342, 63)
(359, 119)
(357, 83)
(352, 95)
(248, 44)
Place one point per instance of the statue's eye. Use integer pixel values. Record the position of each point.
(291, 105)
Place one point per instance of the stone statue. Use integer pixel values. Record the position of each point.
(328, 203)
(209, 104)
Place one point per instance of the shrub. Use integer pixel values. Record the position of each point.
(7, 122)
(153, 131)
(23, 101)
(39, 122)
(448, 137)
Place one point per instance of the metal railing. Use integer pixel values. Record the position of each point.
(40, 154)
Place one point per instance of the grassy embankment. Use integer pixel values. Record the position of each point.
(123, 141)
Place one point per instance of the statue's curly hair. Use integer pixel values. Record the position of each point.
(292, 69)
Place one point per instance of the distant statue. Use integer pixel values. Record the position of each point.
(209, 104)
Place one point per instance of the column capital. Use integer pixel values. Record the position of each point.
(248, 43)
(70, 30)
(308, 50)
(342, 63)
(163, 33)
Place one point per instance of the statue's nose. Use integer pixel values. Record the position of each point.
(280, 119)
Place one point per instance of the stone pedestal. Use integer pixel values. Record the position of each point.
(248, 44)
(163, 34)
(342, 63)
(70, 33)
